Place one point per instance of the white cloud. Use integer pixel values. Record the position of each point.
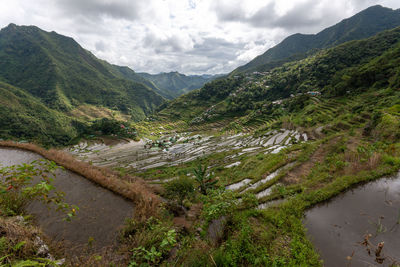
(189, 36)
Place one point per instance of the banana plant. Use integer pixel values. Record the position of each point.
(205, 181)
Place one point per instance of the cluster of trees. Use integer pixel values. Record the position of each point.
(107, 126)
(220, 88)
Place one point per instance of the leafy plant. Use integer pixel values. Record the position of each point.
(205, 180)
(219, 202)
(153, 256)
(17, 188)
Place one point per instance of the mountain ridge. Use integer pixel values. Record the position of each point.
(176, 84)
(332, 71)
(59, 71)
(368, 22)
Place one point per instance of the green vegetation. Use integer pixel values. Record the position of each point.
(348, 69)
(344, 157)
(346, 98)
(17, 188)
(179, 189)
(150, 241)
(112, 127)
(205, 181)
(354, 131)
(26, 118)
(46, 79)
(63, 75)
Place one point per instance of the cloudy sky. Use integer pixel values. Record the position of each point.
(189, 36)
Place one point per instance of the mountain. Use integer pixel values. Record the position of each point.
(362, 25)
(50, 87)
(349, 68)
(174, 84)
(129, 74)
(64, 76)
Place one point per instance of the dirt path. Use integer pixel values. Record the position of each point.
(300, 172)
(101, 212)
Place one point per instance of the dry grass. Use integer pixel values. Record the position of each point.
(133, 188)
(15, 233)
(90, 112)
(106, 257)
(356, 165)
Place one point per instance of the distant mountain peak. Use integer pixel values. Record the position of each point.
(12, 25)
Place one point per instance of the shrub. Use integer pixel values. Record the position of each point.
(152, 241)
(110, 126)
(393, 161)
(249, 200)
(179, 189)
(219, 202)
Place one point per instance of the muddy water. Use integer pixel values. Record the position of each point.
(338, 227)
(101, 212)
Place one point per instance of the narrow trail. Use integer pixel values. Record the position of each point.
(101, 212)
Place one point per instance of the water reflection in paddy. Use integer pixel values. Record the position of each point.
(101, 212)
(338, 227)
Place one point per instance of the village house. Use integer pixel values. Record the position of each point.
(313, 93)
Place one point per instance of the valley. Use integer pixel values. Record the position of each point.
(290, 160)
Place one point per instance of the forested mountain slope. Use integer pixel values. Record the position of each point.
(362, 25)
(63, 75)
(26, 117)
(350, 68)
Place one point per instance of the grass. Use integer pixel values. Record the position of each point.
(276, 236)
(340, 158)
(19, 242)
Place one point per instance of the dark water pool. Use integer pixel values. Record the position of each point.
(101, 213)
(337, 228)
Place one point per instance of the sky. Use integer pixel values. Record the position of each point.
(188, 36)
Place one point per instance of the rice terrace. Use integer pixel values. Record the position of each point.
(200, 133)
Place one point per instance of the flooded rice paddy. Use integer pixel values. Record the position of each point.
(101, 213)
(344, 229)
(172, 150)
(184, 148)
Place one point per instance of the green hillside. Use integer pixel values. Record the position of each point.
(26, 118)
(63, 75)
(174, 84)
(225, 174)
(345, 100)
(350, 68)
(362, 25)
